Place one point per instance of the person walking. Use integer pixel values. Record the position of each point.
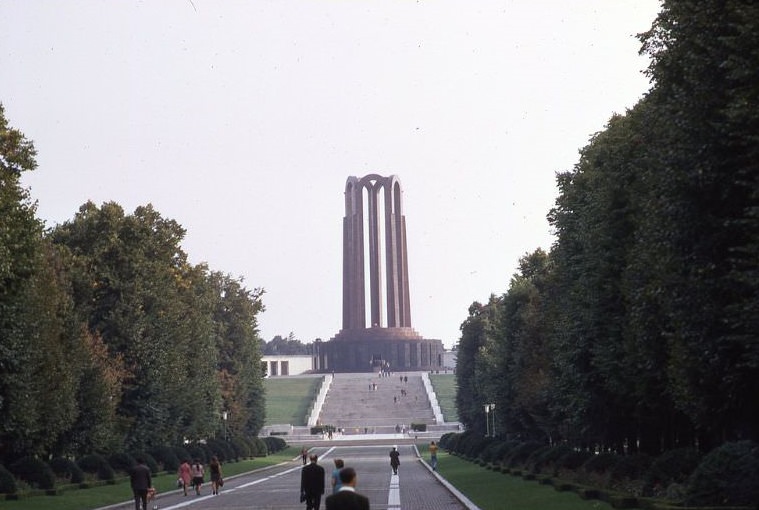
(141, 482)
(184, 475)
(215, 468)
(312, 484)
(395, 460)
(197, 472)
(304, 455)
(433, 455)
(347, 498)
(336, 483)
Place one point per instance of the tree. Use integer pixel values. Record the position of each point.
(39, 346)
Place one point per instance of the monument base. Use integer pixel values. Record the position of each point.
(366, 350)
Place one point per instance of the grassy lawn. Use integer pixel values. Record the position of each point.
(96, 497)
(445, 389)
(491, 490)
(289, 399)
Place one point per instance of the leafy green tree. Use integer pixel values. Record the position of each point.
(239, 355)
(285, 346)
(703, 56)
(130, 289)
(39, 346)
(472, 364)
(521, 355)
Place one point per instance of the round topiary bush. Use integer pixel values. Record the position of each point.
(149, 460)
(601, 463)
(7, 482)
(445, 440)
(490, 452)
(166, 457)
(182, 453)
(275, 444)
(34, 472)
(197, 452)
(671, 467)
(259, 447)
(571, 461)
(726, 477)
(545, 459)
(67, 469)
(97, 465)
(221, 449)
(121, 462)
(518, 455)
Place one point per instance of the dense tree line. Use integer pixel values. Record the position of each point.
(639, 329)
(285, 346)
(109, 339)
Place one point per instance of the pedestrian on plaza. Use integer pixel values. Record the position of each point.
(312, 484)
(184, 475)
(395, 460)
(216, 481)
(433, 455)
(304, 455)
(336, 483)
(197, 472)
(347, 498)
(141, 482)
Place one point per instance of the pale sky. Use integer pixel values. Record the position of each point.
(243, 120)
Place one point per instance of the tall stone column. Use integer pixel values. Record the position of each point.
(376, 305)
(393, 311)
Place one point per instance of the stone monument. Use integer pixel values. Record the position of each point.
(376, 332)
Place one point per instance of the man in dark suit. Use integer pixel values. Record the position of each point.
(141, 481)
(312, 484)
(347, 498)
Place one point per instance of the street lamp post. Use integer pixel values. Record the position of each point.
(224, 416)
(489, 411)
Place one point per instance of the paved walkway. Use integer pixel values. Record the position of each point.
(415, 487)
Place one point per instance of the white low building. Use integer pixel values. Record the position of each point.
(276, 366)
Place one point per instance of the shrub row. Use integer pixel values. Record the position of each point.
(726, 476)
(34, 473)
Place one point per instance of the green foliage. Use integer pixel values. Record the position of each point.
(34, 472)
(518, 455)
(241, 448)
(274, 444)
(572, 460)
(66, 469)
(285, 346)
(726, 476)
(259, 448)
(121, 462)
(7, 481)
(96, 465)
(166, 456)
(181, 453)
(639, 327)
(601, 463)
(672, 466)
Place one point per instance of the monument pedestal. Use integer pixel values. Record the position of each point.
(361, 350)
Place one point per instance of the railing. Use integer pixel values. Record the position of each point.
(433, 398)
(319, 402)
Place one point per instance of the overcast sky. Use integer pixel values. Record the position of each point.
(243, 120)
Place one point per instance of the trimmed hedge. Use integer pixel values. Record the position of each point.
(727, 476)
(122, 462)
(7, 482)
(167, 457)
(34, 472)
(97, 465)
(67, 469)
